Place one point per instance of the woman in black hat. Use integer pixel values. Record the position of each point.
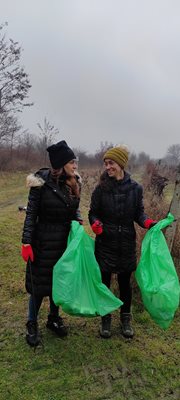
(52, 204)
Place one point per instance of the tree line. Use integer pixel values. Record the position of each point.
(21, 150)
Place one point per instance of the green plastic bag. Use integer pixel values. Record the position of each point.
(77, 284)
(157, 277)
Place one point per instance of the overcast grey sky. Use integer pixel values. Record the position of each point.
(101, 69)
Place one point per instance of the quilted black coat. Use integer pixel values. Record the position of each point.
(117, 204)
(50, 211)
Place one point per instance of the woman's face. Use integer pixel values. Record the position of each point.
(70, 168)
(113, 169)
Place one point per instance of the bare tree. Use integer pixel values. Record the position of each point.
(173, 154)
(26, 148)
(104, 146)
(143, 158)
(14, 88)
(47, 135)
(132, 161)
(14, 81)
(9, 126)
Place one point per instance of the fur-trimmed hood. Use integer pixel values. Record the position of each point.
(36, 179)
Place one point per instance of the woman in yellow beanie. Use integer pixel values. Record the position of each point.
(116, 203)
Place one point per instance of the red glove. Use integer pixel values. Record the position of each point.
(27, 252)
(149, 223)
(97, 227)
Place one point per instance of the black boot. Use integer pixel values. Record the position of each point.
(56, 325)
(105, 329)
(32, 335)
(127, 329)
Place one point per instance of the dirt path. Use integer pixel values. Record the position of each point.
(8, 203)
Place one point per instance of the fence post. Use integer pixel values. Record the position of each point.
(175, 210)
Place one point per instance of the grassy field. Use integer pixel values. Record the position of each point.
(81, 366)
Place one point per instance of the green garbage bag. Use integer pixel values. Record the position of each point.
(157, 277)
(77, 284)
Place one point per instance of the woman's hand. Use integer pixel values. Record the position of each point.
(149, 223)
(27, 252)
(97, 227)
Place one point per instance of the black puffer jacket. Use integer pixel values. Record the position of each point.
(48, 219)
(117, 204)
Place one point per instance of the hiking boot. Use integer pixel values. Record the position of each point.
(126, 327)
(105, 328)
(56, 325)
(32, 334)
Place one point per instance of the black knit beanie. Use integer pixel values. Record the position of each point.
(60, 154)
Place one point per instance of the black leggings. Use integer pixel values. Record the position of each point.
(125, 289)
(35, 304)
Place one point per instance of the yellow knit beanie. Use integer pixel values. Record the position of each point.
(118, 154)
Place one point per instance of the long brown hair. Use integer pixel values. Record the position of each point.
(74, 185)
(72, 182)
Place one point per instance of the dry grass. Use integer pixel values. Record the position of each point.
(83, 366)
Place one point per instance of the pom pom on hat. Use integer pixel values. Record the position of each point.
(60, 154)
(118, 154)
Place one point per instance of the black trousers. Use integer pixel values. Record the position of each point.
(125, 289)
